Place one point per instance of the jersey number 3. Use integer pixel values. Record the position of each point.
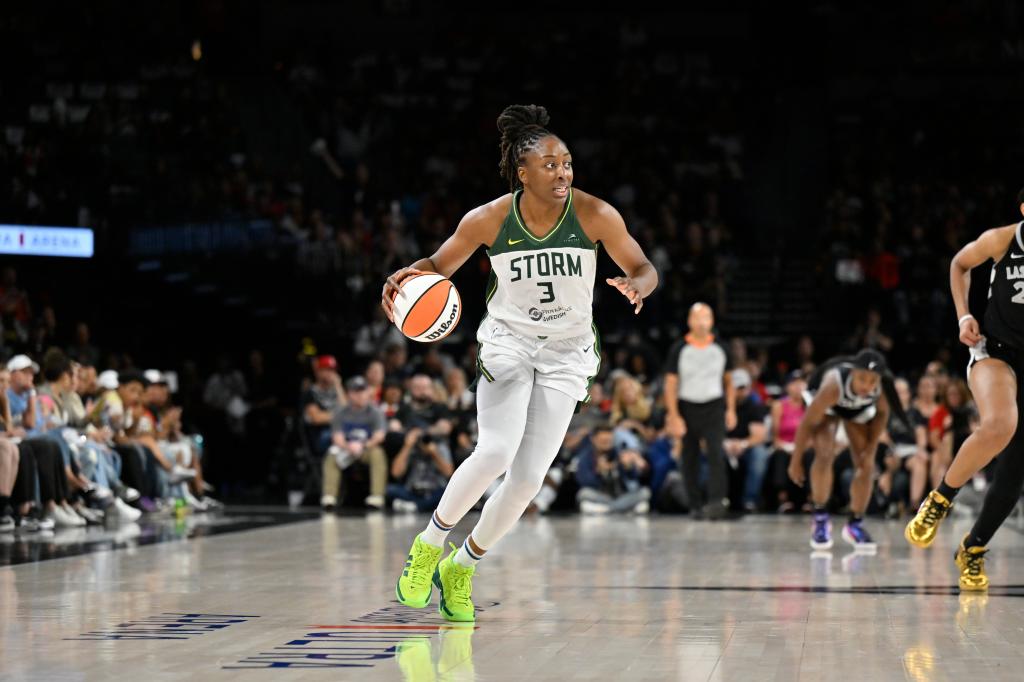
(1019, 298)
(549, 291)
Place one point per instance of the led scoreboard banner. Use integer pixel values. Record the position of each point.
(34, 240)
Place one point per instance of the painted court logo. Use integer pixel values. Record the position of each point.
(165, 626)
(391, 633)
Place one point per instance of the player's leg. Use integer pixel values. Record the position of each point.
(547, 420)
(1000, 500)
(823, 440)
(994, 386)
(863, 456)
(501, 418)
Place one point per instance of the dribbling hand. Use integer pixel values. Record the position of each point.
(393, 287)
(970, 332)
(628, 289)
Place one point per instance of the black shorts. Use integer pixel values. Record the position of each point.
(990, 347)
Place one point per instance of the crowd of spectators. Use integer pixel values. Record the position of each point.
(378, 150)
(402, 432)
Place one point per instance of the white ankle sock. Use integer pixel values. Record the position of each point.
(466, 557)
(435, 533)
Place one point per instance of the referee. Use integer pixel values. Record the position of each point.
(701, 405)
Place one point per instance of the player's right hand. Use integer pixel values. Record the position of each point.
(970, 332)
(393, 287)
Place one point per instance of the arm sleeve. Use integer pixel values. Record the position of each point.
(672, 359)
(728, 356)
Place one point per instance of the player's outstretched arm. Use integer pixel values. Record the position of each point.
(478, 227)
(991, 244)
(605, 225)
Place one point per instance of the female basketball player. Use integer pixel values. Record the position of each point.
(997, 360)
(538, 348)
(851, 390)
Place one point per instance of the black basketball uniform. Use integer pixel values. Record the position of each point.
(851, 407)
(1003, 325)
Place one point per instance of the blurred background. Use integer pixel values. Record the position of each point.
(252, 171)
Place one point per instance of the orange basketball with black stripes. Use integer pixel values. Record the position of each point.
(429, 307)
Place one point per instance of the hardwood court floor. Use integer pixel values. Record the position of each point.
(562, 598)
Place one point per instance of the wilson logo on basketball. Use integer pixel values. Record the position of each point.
(428, 308)
(442, 329)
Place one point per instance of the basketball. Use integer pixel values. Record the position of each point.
(428, 309)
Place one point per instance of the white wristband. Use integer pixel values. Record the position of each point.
(963, 319)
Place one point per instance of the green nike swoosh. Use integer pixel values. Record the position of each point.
(514, 242)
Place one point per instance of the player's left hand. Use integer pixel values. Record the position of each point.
(730, 420)
(628, 289)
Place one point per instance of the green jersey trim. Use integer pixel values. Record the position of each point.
(553, 230)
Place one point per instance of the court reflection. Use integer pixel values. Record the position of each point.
(454, 646)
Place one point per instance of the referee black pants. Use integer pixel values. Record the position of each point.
(704, 421)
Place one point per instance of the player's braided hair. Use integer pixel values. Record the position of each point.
(522, 126)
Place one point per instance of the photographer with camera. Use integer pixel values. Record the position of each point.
(422, 468)
(611, 479)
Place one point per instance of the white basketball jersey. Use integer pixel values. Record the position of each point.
(543, 287)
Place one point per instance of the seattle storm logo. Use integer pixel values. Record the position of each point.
(535, 314)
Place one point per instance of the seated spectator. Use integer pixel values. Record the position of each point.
(589, 416)
(40, 463)
(667, 485)
(374, 376)
(951, 425)
(59, 407)
(144, 467)
(357, 434)
(181, 449)
(425, 412)
(8, 460)
(100, 463)
(320, 402)
(421, 471)
(611, 479)
(745, 443)
(631, 413)
(787, 413)
(905, 466)
(392, 398)
(461, 404)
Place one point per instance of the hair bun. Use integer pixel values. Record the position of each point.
(516, 117)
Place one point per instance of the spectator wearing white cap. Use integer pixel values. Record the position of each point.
(41, 464)
(108, 409)
(746, 442)
(8, 459)
(21, 393)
